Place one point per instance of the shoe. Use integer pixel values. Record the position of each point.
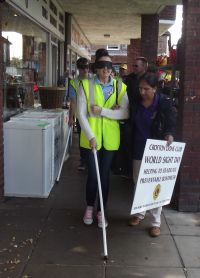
(99, 219)
(81, 167)
(134, 221)
(88, 216)
(154, 231)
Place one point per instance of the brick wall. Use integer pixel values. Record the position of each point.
(133, 51)
(1, 115)
(149, 37)
(169, 13)
(187, 193)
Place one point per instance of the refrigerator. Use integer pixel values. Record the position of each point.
(55, 122)
(27, 158)
(63, 114)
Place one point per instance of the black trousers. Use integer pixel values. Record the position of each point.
(83, 152)
(104, 159)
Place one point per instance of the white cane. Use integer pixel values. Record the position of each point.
(101, 206)
(63, 157)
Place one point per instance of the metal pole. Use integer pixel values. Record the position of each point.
(63, 158)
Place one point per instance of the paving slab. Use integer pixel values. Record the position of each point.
(23, 218)
(185, 230)
(193, 273)
(140, 250)
(50, 240)
(65, 219)
(62, 271)
(189, 248)
(182, 223)
(70, 247)
(15, 250)
(147, 272)
(182, 218)
(18, 202)
(118, 221)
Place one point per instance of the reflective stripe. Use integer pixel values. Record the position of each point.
(77, 83)
(91, 90)
(80, 88)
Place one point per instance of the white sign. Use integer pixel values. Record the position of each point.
(157, 176)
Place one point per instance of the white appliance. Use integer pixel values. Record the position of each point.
(63, 114)
(54, 120)
(64, 119)
(27, 159)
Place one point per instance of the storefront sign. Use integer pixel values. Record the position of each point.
(157, 176)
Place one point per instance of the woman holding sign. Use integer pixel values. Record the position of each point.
(153, 117)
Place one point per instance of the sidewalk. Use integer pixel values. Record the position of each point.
(46, 238)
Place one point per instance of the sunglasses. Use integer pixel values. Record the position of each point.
(103, 64)
(83, 67)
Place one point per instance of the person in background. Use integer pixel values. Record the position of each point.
(132, 80)
(114, 73)
(153, 117)
(83, 69)
(123, 69)
(99, 118)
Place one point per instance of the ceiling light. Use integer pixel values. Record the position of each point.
(15, 15)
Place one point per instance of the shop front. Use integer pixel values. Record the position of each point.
(32, 55)
(77, 45)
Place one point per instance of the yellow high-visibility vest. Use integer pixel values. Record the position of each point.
(75, 84)
(106, 131)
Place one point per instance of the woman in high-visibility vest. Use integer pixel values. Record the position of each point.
(102, 102)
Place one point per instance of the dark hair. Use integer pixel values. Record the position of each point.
(150, 78)
(81, 61)
(101, 52)
(143, 60)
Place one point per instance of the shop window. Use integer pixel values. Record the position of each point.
(61, 17)
(53, 7)
(44, 13)
(24, 61)
(53, 21)
(61, 29)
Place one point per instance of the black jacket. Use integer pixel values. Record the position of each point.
(133, 92)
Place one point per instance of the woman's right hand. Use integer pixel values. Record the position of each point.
(93, 143)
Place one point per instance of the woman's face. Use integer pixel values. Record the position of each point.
(104, 69)
(146, 91)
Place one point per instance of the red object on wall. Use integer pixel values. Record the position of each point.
(172, 56)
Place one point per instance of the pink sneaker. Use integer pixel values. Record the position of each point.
(99, 218)
(88, 216)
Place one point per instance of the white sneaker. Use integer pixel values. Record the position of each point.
(99, 218)
(88, 216)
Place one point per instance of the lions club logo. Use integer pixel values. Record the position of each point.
(156, 191)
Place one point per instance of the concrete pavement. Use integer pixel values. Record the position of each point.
(47, 238)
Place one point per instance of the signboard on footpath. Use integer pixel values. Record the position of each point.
(157, 176)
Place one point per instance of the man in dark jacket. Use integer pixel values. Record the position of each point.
(132, 80)
(123, 160)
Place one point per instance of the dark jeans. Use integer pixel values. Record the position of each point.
(83, 152)
(105, 159)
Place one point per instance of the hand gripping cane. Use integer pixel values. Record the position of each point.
(101, 205)
(63, 157)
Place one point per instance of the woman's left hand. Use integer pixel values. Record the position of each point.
(169, 139)
(96, 110)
